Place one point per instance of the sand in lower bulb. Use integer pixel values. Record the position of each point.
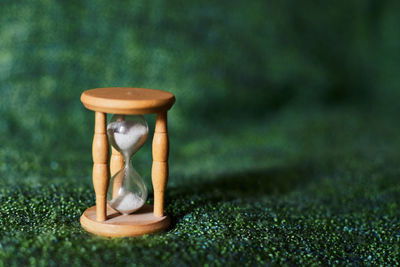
(126, 203)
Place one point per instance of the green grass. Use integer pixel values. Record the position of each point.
(301, 187)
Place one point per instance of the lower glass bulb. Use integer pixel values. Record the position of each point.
(127, 191)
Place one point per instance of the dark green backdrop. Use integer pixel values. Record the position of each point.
(284, 136)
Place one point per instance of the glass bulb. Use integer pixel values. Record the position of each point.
(127, 191)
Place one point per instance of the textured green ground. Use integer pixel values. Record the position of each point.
(303, 187)
(285, 143)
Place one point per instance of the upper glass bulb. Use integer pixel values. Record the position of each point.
(127, 191)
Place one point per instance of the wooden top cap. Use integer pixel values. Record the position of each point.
(127, 100)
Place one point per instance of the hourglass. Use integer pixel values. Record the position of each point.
(120, 201)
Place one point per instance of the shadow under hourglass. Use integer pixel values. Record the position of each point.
(241, 185)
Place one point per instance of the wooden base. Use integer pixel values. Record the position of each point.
(117, 225)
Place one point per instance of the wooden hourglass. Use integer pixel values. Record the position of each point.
(114, 218)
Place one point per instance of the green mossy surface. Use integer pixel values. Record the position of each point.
(316, 187)
(285, 145)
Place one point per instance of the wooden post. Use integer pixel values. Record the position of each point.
(116, 164)
(159, 171)
(100, 152)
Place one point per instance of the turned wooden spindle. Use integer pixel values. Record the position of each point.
(159, 171)
(116, 164)
(100, 152)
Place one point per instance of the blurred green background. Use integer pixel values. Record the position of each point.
(284, 136)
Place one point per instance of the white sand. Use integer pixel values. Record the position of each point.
(126, 203)
(129, 135)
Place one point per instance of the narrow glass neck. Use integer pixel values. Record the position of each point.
(127, 161)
